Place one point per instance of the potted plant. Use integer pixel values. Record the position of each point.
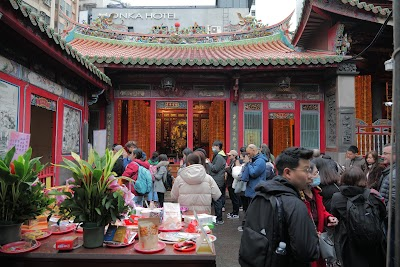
(21, 195)
(95, 198)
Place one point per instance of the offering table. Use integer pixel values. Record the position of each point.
(47, 256)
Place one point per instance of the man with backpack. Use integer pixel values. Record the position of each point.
(278, 230)
(138, 171)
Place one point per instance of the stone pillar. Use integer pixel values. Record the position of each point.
(340, 110)
(234, 126)
(110, 124)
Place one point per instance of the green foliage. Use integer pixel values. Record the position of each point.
(21, 195)
(96, 196)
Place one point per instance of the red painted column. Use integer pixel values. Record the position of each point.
(190, 123)
(116, 130)
(265, 120)
(227, 144)
(153, 110)
(102, 117)
(297, 124)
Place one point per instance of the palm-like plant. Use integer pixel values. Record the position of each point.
(95, 195)
(21, 195)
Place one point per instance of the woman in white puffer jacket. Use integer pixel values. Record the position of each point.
(194, 188)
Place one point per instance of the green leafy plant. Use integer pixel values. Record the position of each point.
(95, 195)
(21, 196)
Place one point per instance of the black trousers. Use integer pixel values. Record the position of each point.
(160, 199)
(235, 200)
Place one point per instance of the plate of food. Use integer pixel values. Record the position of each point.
(118, 245)
(160, 247)
(36, 234)
(185, 246)
(162, 229)
(175, 237)
(20, 247)
(62, 229)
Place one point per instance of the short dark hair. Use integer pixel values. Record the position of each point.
(242, 149)
(154, 156)
(354, 176)
(218, 144)
(202, 150)
(193, 158)
(202, 158)
(163, 157)
(327, 170)
(138, 153)
(187, 151)
(131, 144)
(353, 149)
(290, 157)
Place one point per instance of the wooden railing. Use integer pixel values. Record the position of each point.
(46, 176)
(372, 137)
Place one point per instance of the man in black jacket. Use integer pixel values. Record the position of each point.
(295, 229)
(119, 164)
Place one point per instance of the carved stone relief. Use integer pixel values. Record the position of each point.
(331, 120)
(346, 127)
(347, 69)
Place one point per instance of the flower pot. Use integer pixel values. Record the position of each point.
(10, 233)
(93, 235)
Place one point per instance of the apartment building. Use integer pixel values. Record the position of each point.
(50, 11)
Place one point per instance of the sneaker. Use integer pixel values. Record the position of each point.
(223, 209)
(241, 209)
(219, 222)
(232, 216)
(240, 228)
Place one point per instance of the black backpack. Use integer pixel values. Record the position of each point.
(262, 232)
(364, 226)
(168, 181)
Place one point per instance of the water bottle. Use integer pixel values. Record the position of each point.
(281, 249)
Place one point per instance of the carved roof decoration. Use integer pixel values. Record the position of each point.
(270, 50)
(174, 37)
(35, 20)
(368, 7)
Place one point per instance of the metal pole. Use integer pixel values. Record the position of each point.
(396, 122)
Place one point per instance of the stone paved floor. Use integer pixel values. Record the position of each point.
(228, 238)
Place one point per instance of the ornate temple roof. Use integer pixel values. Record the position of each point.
(254, 46)
(35, 20)
(270, 50)
(384, 11)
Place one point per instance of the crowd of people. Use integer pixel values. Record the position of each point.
(291, 202)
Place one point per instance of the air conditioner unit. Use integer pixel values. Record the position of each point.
(215, 29)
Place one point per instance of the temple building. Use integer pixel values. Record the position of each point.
(182, 86)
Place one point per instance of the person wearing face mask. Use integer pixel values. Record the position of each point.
(316, 209)
(217, 171)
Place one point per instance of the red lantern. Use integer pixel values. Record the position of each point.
(177, 24)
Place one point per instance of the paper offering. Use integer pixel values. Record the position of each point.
(148, 233)
(172, 218)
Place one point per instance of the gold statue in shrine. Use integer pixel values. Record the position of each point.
(178, 135)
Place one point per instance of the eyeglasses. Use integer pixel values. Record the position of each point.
(386, 153)
(308, 170)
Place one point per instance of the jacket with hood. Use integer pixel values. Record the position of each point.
(217, 168)
(348, 253)
(254, 172)
(160, 177)
(131, 171)
(300, 234)
(195, 189)
(357, 161)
